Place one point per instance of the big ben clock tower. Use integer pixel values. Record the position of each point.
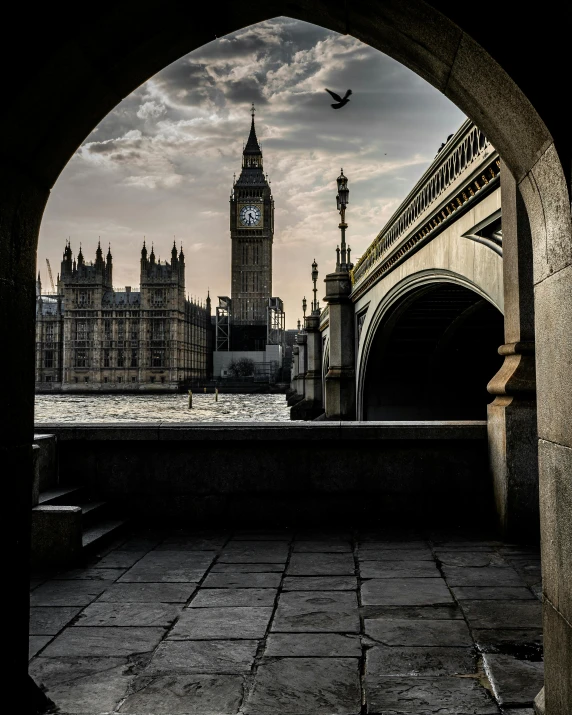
(251, 233)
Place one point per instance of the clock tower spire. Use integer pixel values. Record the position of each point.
(251, 233)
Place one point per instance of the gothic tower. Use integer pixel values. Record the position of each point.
(251, 233)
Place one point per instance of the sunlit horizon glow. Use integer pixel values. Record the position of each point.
(161, 164)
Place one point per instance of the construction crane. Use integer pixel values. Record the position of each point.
(50, 275)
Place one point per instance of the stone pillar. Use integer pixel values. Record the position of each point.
(302, 339)
(511, 417)
(295, 395)
(340, 379)
(312, 405)
(23, 201)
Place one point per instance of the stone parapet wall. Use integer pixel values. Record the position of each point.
(255, 474)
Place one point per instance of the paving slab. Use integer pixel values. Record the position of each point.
(412, 632)
(323, 547)
(209, 597)
(401, 662)
(313, 645)
(148, 592)
(537, 590)
(326, 611)
(452, 545)
(319, 583)
(258, 544)
(48, 621)
(517, 550)
(470, 558)
(140, 543)
(306, 686)
(255, 552)
(395, 554)
(262, 536)
(247, 568)
(111, 574)
(501, 614)
(177, 559)
(321, 565)
(107, 641)
(399, 569)
(160, 574)
(214, 543)
(492, 593)
(120, 559)
(67, 593)
(494, 639)
(405, 592)
(185, 694)
(514, 682)
(485, 576)
(36, 643)
(129, 614)
(433, 613)
(219, 656)
(426, 696)
(385, 545)
(242, 580)
(322, 535)
(221, 623)
(84, 685)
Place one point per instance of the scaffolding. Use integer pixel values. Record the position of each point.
(275, 322)
(223, 315)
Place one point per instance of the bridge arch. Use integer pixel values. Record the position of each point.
(431, 331)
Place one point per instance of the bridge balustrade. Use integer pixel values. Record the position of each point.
(462, 170)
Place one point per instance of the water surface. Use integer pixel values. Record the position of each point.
(160, 408)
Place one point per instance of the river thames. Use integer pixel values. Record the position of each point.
(160, 408)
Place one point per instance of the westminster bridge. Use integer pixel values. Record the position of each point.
(425, 328)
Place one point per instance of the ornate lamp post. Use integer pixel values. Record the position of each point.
(342, 200)
(304, 306)
(299, 324)
(315, 307)
(339, 397)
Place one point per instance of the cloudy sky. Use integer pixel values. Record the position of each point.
(161, 164)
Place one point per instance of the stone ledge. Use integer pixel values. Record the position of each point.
(267, 431)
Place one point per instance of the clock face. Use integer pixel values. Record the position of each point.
(250, 215)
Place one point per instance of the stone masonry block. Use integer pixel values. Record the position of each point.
(56, 535)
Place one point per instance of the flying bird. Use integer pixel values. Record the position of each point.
(339, 101)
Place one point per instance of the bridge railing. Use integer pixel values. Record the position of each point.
(325, 317)
(463, 167)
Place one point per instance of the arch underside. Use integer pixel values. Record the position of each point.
(431, 355)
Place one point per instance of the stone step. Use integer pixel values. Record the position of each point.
(93, 511)
(47, 461)
(97, 535)
(61, 495)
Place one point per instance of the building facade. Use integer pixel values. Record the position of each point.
(91, 337)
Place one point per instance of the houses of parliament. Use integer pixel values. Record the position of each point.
(90, 337)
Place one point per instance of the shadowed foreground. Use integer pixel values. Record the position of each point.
(288, 623)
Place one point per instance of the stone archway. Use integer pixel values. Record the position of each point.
(62, 84)
(430, 353)
(401, 293)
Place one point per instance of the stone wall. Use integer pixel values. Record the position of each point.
(284, 474)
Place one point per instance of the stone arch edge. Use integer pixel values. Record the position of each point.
(397, 293)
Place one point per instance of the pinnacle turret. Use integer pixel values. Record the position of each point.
(252, 153)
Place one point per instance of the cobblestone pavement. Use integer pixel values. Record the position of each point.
(292, 624)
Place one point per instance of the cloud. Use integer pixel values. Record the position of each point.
(161, 163)
(150, 109)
